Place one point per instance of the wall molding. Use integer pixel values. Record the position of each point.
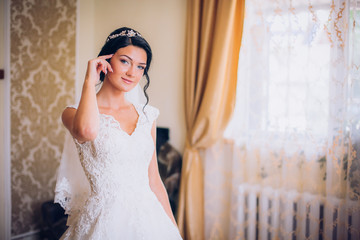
(5, 209)
(27, 236)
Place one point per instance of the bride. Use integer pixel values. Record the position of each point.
(110, 185)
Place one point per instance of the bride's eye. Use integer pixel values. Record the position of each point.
(124, 61)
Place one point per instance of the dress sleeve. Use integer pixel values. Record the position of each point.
(152, 113)
(73, 106)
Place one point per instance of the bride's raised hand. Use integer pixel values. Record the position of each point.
(96, 66)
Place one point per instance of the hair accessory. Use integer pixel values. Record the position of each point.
(128, 33)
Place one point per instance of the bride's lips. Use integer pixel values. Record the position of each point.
(126, 80)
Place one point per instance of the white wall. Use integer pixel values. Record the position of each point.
(162, 23)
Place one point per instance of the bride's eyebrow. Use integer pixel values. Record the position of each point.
(131, 59)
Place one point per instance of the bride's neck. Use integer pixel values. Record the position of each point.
(111, 98)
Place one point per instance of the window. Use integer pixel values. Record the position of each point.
(293, 79)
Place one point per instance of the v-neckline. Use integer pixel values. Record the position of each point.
(119, 125)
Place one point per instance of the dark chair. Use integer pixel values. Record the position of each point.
(54, 220)
(169, 162)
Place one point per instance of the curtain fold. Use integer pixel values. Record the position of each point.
(214, 31)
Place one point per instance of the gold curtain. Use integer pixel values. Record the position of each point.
(214, 31)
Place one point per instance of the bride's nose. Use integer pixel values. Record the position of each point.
(131, 71)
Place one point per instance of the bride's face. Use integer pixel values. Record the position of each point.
(128, 66)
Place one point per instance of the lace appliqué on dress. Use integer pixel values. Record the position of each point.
(116, 200)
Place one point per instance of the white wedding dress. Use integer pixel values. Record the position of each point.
(108, 196)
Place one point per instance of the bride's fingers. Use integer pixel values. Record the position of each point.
(101, 65)
(108, 66)
(105, 56)
(99, 68)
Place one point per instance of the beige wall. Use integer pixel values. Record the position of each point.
(2, 11)
(5, 211)
(2, 165)
(2, 86)
(162, 23)
(85, 49)
(2, 65)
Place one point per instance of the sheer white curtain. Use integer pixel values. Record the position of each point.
(294, 140)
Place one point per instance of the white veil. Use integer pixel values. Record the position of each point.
(136, 96)
(72, 187)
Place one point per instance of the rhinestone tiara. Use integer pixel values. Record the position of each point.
(128, 33)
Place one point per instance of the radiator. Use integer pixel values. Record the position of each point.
(266, 213)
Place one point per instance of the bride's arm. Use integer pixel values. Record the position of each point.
(156, 184)
(83, 122)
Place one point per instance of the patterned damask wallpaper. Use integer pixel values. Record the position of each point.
(42, 84)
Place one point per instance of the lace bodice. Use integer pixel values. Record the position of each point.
(114, 156)
(115, 168)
